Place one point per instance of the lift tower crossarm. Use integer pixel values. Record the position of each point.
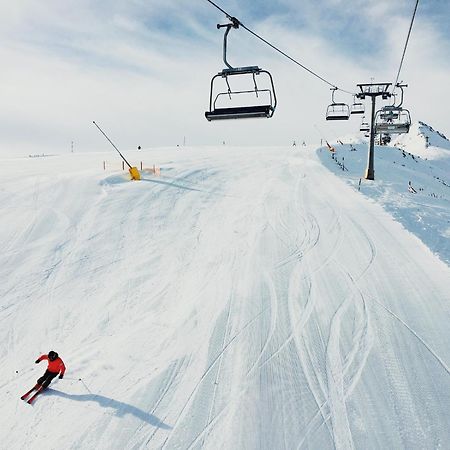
(372, 90)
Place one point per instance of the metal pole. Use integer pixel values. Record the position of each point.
(370, 173)
(128, 164)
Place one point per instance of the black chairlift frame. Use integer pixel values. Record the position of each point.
(337, 111)
(357, 107)
(239, 112)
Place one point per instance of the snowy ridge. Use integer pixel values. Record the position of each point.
(424, 141)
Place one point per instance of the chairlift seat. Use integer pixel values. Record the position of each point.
(364, 128)
(357, 108)
(337, 117)
(338, 111)
(241, 112)
(392, 128)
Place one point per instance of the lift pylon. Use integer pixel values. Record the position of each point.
(372, 90)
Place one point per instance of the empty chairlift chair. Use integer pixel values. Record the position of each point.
(357, 107)
(364, 127)
(337, 111)
(218, 110)
(241, 102)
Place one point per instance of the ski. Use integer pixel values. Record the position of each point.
(38, 391)
(24, 396)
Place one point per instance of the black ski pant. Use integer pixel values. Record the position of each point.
(47, 378)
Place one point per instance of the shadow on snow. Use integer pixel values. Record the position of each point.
(120, 407)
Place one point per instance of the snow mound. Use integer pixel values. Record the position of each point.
(424, 141)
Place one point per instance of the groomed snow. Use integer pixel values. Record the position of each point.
(244, 299)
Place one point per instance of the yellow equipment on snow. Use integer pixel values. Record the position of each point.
(135, 175)
(134, 172)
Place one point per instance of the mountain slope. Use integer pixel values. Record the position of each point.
(247, 298)
(412, 182)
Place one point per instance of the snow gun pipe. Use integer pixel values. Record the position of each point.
(111, 142)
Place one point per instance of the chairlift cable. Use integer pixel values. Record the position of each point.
(406, 45)
(233, 19)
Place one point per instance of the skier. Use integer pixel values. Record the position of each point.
(55, 367)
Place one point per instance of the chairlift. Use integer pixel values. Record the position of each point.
(357, 107)
(393, 119)
(337, 111)
(399, 122)
(364, 127)
(264, 101)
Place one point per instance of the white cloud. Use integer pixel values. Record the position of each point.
(143, 70)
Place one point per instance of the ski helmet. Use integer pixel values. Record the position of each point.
(52, 355)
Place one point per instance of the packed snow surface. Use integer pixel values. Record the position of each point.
(243, 299)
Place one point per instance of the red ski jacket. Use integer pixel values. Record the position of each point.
(55, 366)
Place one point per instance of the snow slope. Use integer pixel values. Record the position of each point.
(422, 140)
(245, 299)
(426, 167)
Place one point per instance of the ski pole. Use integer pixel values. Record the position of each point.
(78, 379)
(84, 384)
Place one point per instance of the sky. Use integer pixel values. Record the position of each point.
(142, 69)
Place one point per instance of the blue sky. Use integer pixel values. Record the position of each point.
(143, 68)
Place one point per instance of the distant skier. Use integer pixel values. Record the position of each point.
(55, 367)
(411, 189)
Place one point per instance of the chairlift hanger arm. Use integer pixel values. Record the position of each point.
(333, 89)
(234, 24)
(401, 86)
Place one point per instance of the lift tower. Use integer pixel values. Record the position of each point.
(372, 90)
